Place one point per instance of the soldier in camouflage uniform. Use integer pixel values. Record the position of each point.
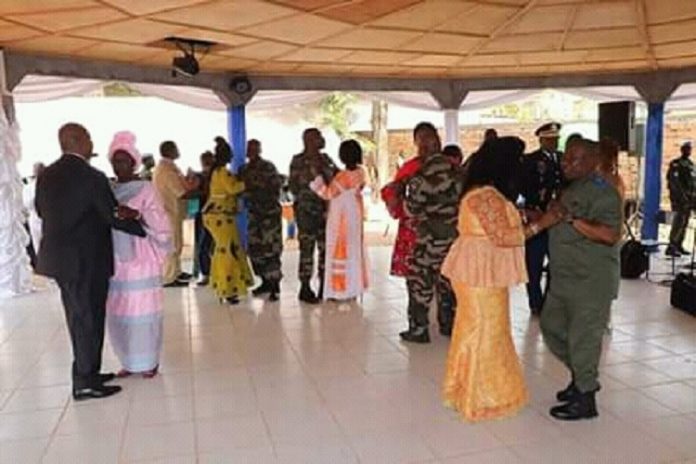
(432, 199)
(310, 209)
(265, 227)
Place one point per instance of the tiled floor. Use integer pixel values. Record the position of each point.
(283, 383)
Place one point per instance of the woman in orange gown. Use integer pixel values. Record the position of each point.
(484, 377)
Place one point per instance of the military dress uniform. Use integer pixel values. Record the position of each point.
(542, 180)
(432, 199)
(265, 225)
(310, 212)
(584, 281)
(681, 180)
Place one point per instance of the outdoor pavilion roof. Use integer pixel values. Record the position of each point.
(379, 38)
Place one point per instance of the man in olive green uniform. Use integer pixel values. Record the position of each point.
(432, 198)
(265, 227)
(310, 209)
(584, 269)
(681, 180)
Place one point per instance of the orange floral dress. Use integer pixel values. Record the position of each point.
(484, 378)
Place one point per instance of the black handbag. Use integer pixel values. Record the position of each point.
(635, 258)
(683, 292)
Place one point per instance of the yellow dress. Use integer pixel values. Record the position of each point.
(230, 274)
(484, 378)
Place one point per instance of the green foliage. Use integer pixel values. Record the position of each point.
(336, 113)
(120, 89)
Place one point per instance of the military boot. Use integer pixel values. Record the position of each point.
(262, 289)
(274, 291)
(416, 335)
(320, 295)
(581, 406)
(568, 393)
(307, 295)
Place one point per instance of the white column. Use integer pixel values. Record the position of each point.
(451, 126)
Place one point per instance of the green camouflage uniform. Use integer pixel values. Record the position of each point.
(310, 212)
(265, 227)
(584, 281)
(432, 198)
(681, 180)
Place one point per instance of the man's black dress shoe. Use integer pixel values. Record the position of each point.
(104, 378)
(176, 283)
(582, 406)
(89, 393)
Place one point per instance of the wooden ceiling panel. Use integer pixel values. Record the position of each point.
(491, 60)
(425, 15)
(669, 10)
(313, 55)
(145, 7)
(364, 11)
(524, 43)
(366, 70)
(119, 52)
(262, 50)
(10, 32)
(606, 38)
(433, 60)
(674, 50)
(442, 43)
(379, 39)
(552, 58)
(674, 32)
(678, 62)
(226, 63)
(319, 69)
(605, 15)
(65, 20)
(227, 15)
(542, 19)
(610, 54)
(310, 5)
(38, 6)
(478, 19)
(301, 29)
(379, 58)
(222, 38)
(53, 45)
(136, 31)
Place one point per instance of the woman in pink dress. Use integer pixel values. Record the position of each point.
(346, 262)
(134, 303)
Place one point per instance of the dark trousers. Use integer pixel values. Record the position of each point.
(31, 248)
(203, 247)
(682, 213)
(84, 302)
(536, 251)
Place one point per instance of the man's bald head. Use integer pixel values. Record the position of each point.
(75, 139)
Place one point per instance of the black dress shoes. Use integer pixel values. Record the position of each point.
(96, 392)
(104, 378)
(416, 335)
(262, 289)
(307, 295)
(446, 331)
(176, 283)
(581, 406)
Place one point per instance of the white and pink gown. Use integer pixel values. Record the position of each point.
(134, 303)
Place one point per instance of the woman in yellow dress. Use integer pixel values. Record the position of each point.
(230, 275)
(484, 378)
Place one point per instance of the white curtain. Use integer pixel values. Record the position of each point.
(15, 273)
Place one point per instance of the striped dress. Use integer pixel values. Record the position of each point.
(134, 303)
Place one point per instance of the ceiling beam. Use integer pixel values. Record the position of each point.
(652, 85)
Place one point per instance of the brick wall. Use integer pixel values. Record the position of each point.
(676, 130)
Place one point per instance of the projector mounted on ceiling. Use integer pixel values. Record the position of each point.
(187, 65)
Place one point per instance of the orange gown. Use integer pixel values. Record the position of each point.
(484, 378)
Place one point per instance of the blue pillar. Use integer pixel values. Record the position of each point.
(236, 130)
(653, 171)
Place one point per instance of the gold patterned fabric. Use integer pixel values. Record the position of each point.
(484, 377)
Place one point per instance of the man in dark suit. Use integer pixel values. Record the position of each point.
(541, 183)
(78, 210)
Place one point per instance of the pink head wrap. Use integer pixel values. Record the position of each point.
(125, 140)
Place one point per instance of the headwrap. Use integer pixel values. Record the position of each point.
(125, 140)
